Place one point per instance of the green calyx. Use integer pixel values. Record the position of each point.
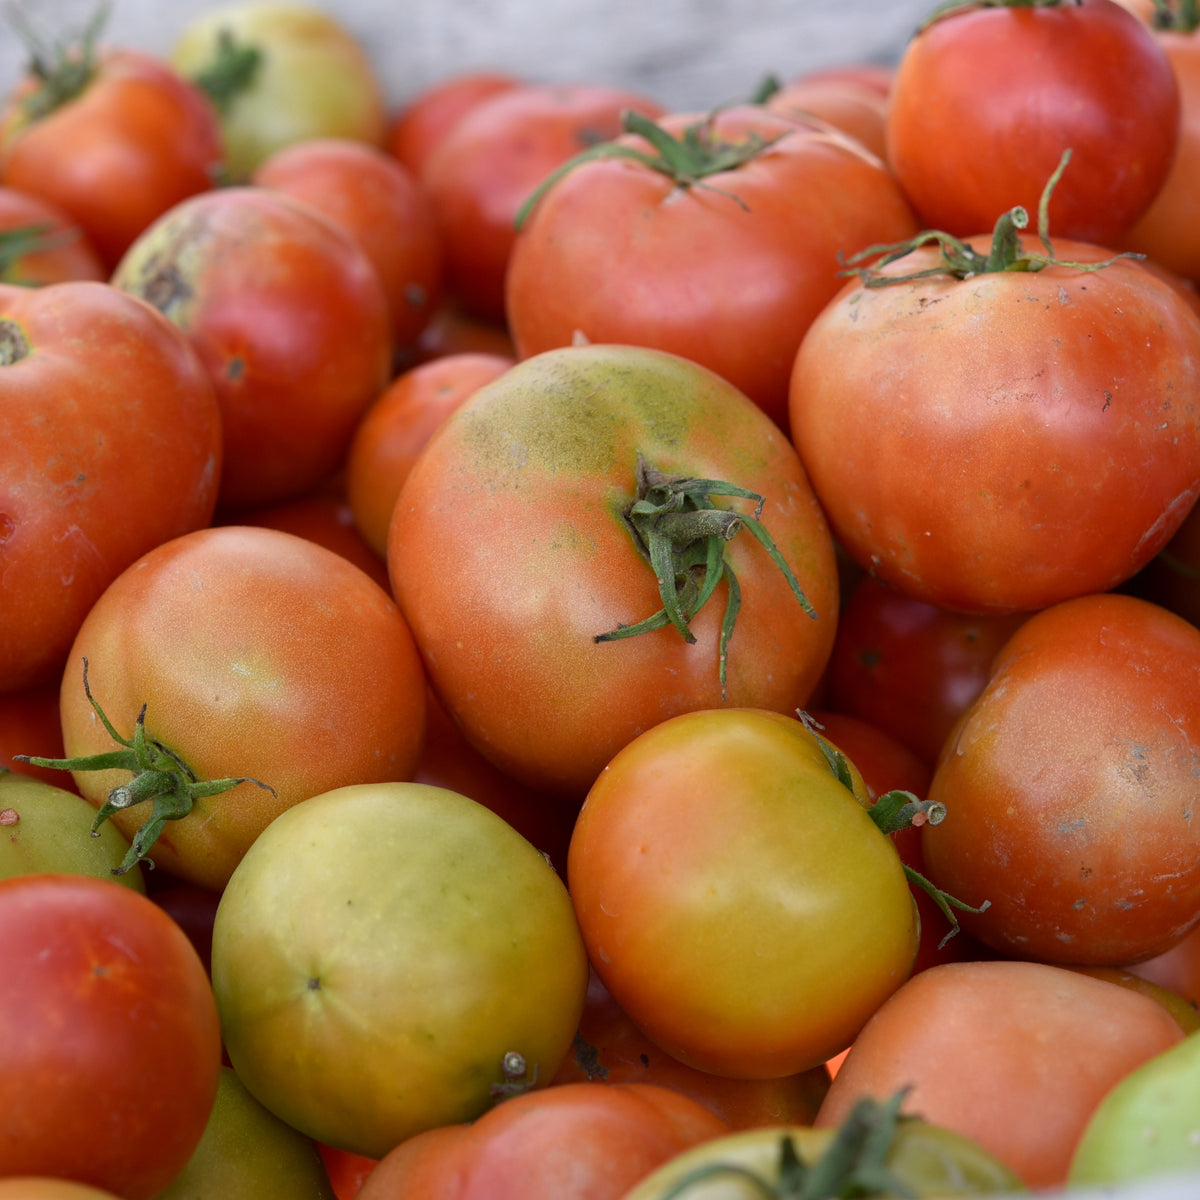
(1006, 253)
(232, 71)
(63, 69)
(687, 160)
(158, 775)
(1181, 16)
(682, 534)
(952, 7)
(30, 239)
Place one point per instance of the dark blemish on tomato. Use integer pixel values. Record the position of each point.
(1107, 400)
(588, 1058)
(165, 287)
(9, 816)
(13, 344)
(235, 368)
(645, 1060)
(314, 985)
(7, 527)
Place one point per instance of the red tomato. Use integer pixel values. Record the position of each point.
(986, 98)
(573, 1141)
(427, 117)
(1177, 969)
(29, 724)
(510, 554)
(90, 379)
(290, 319)
(397, 426)
(110, 1048)
(1014, 1055)
(379, 203)
(222, 635)
(40, 243)
(486, 167)
(347, 1172)
(1001, 440)
(884, 763)
(453, 331)
(856, 108)
(1070, 785)
(126, 141)
(609, 253)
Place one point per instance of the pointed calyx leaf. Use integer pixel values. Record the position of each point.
(681, 532)
(1176, 16)
(686, 160)
(62, 69)
(31, 239)
(157, 773)
(232, 71)
(962, 261)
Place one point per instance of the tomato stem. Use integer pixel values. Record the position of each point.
(680, 531)
(231, 72)
(63, 69)
(951, 7)
(159, 775)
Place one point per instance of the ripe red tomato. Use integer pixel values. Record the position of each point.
(90, 380)
(29, 724)
(486, 167)
(123, 143)
(986, 98)
(1070, 785)
(1000, 440)
(379, 203)
(110, 1048)
(857, 108)
(609, 252)
(511, 553)
(40, 243)
(290, 319)
(258, 655)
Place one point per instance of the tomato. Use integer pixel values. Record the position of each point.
(347, 1172)
(248, 1152)
(280, 72)
(734, 895)
(884, 763)
(610, 1049)
(258, 656)
(380, 204)
(377, 954)
(985, 99)
(89, 379)
(40, 243)
(573, 1141)
(1177, 969)
(919, 1160)
(45, 1188)
(510, 553)
(487, 165)
(114, 137)
(609, 251)
(1014, 1055)
(910, 668)
(856, 108)
(396, 427)
(109, 1041)
(1182, 1009)
(45, 828)
(288, 316)
(999, 440)
(427, 116)
(29, 724)
(1071, 784)
(451, 330)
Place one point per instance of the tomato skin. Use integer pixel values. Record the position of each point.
(80, 499)
(378, 952)
(857, 108)
(480, 532)
(1014, 1055)
(735, 897)
(985, 100)
(223, 634)
(110, 1043)
(609, 252)
(137, 140)
(288, 316)
(573, 1141)
(1007, 441)
(72, 256)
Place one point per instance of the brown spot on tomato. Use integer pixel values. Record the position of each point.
(14, 345)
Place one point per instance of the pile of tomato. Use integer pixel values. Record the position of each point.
(554, 647)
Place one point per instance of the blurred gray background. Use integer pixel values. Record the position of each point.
(686, 53)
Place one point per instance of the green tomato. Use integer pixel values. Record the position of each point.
(380, 952)
(1148, 1124)
(44, 828)
(248, 1153)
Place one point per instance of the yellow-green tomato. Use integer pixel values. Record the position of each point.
(1148, 1124)
(248, 1153)
(735, 897)
(928, 1160)
(301, 74)
(378, 953)
(44, 828)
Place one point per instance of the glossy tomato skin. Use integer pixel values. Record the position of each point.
(138, 139)
(986, 99)
(735, 897)
(90, 379)
(258, 655)
(610, 251)
(289, 318)
(1006, 441)
(1070, 785)
(509, 553)
(111, 1045)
